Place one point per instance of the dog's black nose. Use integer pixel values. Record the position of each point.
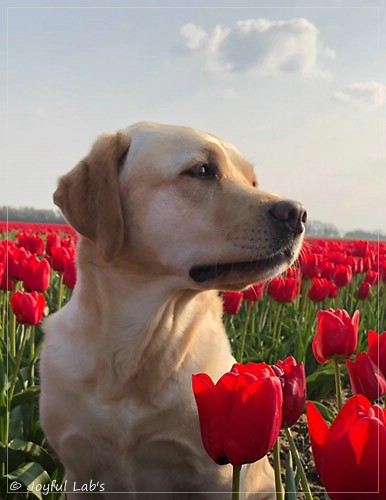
(291, 214)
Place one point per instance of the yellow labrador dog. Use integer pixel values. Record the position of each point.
(167, 216)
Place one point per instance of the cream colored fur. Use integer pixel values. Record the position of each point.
(116, 402)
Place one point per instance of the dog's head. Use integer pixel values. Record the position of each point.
(182, 202)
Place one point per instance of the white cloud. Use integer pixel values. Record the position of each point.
(368, 95)
(194, 36)
(260, 45)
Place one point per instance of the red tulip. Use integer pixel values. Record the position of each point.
(28, 307)
(283, 289)
(295, 273)
(240, 416)
(36, 274)
(69, 244)
(52, 240)
(359, 265)
(69, 275)
(293, 379)
(383, 271)
(372, 277)
(328, 270)
(320, 289)
(33, 243)
(350, 456)
(367, 263)
(5, 283)
(310, 266)
(353, 263)
(16, 259)
(59, 256)
(343, 275)
(377, 349)
(232, 302)
(365, 377)
(364, 291)
(254, 293)
(361, 248)
(336, 335)
(333, 290)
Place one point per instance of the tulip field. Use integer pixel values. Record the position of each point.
(313, 336)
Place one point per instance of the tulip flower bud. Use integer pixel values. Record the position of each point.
(310, 266)
(283, 289)
(232, 302)
(254, 293)
(293, 379)
(240, 416)
(365, 377)
(28, 307)
(320, 289)
(36, 274)
(69, 276)
(364, 291)
(336, 335)
(343, 275)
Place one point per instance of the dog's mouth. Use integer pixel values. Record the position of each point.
(201, 274)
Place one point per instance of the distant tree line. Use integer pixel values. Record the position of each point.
(358, 234)
(30, 214)
(318, 229)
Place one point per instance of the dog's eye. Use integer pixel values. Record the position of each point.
(203, 171)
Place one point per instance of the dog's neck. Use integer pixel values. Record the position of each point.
(140, 346)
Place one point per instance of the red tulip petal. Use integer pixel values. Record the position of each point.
(316, 349)
(368, 441)
(318, 430)
(352, 371)
(355, 320)
(211, 415)
(254, 423)
(352, 411)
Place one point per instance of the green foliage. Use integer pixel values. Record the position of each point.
(27, 465)
(269, 330)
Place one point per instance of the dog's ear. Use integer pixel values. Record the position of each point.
(89, 194)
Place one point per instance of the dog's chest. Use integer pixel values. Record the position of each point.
(131, 425)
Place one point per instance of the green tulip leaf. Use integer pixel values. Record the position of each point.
(31, 475)
(290, 485)
(27, 396)
(327, 414)
(34, 452)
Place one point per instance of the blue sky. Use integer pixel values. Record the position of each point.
(300, 91)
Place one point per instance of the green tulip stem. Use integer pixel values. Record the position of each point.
(276, 463)
(299, 465)
(236, 482)
(4, 310)
(338, 385)
(304, 299)
(12, 332)
(276, 334)
(19, 357)
(60, 293)
(32, 356)
(244, 336)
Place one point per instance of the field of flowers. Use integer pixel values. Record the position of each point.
(312, 334)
